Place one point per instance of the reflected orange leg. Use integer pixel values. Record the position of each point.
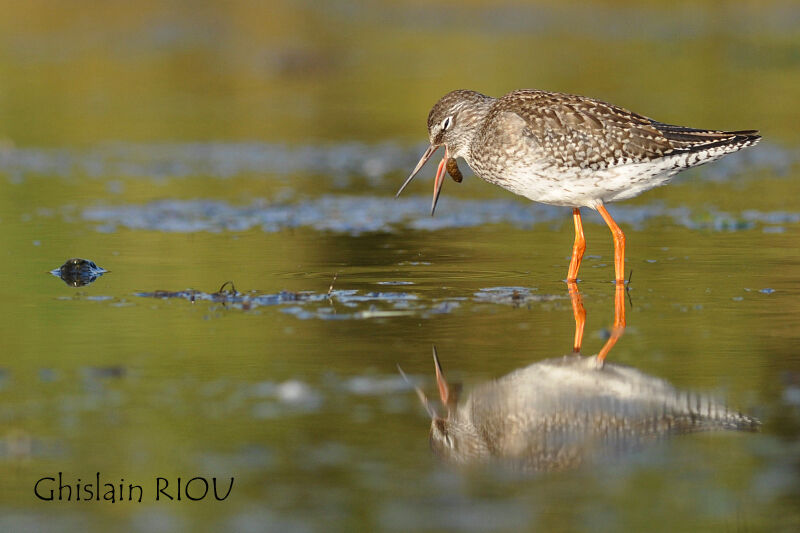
(619, 245)
(619, 322)
(580, 315)
(578, 248)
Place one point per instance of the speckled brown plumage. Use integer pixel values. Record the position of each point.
(587, 150)
(577, 131)
(567, 150)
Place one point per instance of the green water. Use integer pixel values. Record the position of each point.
(181, 146)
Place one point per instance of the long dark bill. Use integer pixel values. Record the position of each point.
(424, 159)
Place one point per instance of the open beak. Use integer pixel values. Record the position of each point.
(447, 394)
(440, 172)
(424, 159)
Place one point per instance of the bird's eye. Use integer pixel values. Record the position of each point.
(446, 123)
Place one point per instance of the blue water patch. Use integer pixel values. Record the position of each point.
(357, 215)
(212, 159)
(339, 161)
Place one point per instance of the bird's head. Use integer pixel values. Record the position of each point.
(452, 437)
(452, 123)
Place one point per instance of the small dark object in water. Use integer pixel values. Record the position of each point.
(78, 272)
(453, 170)
(330, 289)
(222, 293)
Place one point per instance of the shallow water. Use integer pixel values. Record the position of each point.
(277, 174)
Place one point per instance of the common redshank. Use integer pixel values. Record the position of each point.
(567, 150)
(563, 412)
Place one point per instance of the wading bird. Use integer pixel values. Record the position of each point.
(567, 150)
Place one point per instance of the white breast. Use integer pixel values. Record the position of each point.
(576, 187)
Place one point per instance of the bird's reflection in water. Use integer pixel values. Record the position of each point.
(579, 312)
(559, 413)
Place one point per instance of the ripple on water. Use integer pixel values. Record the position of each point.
(512, 296)
(229, 159)
(357, 215)
(352, 304)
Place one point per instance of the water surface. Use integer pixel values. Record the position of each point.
(181, 149)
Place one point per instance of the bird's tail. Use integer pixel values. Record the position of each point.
(699, 140)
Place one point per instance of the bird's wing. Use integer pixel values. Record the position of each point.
(576, 131)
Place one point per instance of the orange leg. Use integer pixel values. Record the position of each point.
(619, 245)
(578, 248)
(619, 322)
(580, 315)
